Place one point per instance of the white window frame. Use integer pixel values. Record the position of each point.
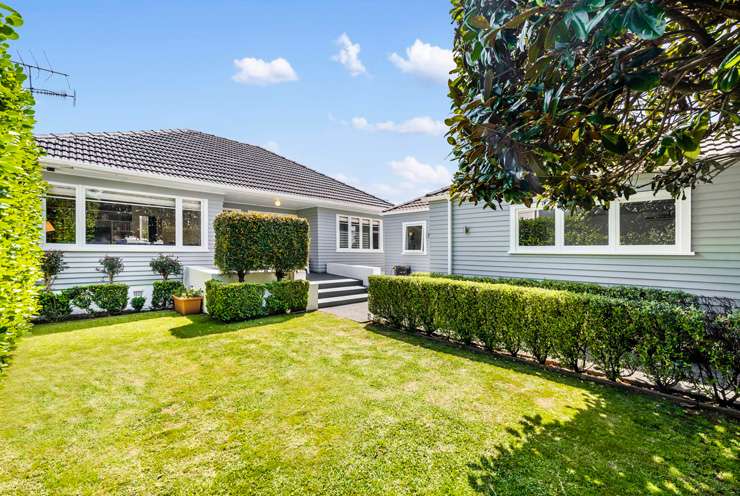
(406, 225)
(80, 224)
(682, 246)
(349, 249)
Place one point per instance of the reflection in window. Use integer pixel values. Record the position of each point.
(365, 234)
(343, 232)
(59, 226)
(587, 228)
(414, 238)
(536, 227)
(355, 233)
(647, 222)
(129, 219)
(191, 222)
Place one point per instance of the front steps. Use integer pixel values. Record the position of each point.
(340, 291)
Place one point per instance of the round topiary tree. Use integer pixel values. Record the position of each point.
(166, 266)
(250, 241)
(52, 264)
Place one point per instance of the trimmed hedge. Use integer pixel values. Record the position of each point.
(162, 292)
(54, 306)
(243, 301)
(617, 334)
(251, 241)
(113, 298)
(21, 187)
(632, 293)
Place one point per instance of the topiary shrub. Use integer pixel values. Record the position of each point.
(162, 292)
(111, 267)
(80, 297)
(166, 266)
(21, 187)
(250, 241)
(113, 298)
(53, 306)
(243, 301)
(52, 264)
(137, 303)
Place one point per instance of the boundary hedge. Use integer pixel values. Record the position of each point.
(242, 300)
(666, 342)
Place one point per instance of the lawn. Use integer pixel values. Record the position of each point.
(312, 404)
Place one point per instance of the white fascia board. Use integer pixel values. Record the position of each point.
(408, 211)
(74, 167)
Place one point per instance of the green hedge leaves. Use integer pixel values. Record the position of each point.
(242, 301)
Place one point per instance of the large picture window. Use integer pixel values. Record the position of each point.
(644, 224)
(414, 238)
(84, 218)
(359, 234)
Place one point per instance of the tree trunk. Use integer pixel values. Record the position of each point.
(240, 275)
(279, 274)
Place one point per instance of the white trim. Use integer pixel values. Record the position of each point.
(682, 246)
(349, 248)
(81, 244)
(407, 211)
(405, 226)
(449, 235)
(65, 166)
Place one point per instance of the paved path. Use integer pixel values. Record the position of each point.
(355, 311)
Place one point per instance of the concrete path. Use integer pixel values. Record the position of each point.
(355, 311)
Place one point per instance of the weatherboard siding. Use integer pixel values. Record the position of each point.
(394, 236)
(714, 270)
(324, 236)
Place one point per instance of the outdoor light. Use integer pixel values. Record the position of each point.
(277, 202)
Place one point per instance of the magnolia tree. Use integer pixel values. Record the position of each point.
(579, 101)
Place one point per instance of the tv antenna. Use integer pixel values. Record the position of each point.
(36, 72)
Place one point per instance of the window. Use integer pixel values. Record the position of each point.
(91, 217)
(414, 237)
(642, 225)
(359, 234)
(60, 224)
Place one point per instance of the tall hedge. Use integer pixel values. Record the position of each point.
(21, 189)
(252, 241)
(243, 300)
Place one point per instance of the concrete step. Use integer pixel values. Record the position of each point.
(335, 301)
(341, 291)
(337, 283)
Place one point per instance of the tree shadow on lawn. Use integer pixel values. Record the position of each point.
(88, 323)
(202, 325)
(620, 443)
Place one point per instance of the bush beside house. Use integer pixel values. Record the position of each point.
(243, 301)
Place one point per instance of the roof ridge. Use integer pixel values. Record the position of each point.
(115, 133)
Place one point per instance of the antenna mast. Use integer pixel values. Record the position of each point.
(36, 72)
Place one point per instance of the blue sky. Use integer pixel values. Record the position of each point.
(369, 117)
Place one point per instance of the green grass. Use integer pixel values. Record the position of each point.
(312, 404)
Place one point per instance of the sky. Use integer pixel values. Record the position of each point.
(355, 89)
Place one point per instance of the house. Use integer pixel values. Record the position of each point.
(138, 194)
(654, 241)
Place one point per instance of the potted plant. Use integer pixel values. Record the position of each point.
(188, 301)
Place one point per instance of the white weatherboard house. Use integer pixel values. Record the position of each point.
(139, 194)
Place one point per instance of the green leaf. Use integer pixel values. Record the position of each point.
(642, 81)
(686, 141)
(732, 59)
(614, 142)
(646, 20)
(578, 20)
(479, 22)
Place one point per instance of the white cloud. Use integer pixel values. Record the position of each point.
(273, 146)
(349, 55)
(261, 73)
(415, 125)
(411, 169)
(425, 61)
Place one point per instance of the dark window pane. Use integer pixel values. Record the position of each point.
(343, 232)
(191, 223)
(355, 233)
(648, 223)
(587, 228)
(125, 219)
(414, 238)
(537, 228)
(376, 235)
(60, 215)
(365, 234)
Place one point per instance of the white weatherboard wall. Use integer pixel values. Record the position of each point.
(82, 265)
(714, 270)
(394, 238)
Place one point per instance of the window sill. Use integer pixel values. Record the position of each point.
(419, 253)
(636, 253)
(358, 250)
(126, 248)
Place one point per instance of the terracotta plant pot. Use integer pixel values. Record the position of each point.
(188, 306)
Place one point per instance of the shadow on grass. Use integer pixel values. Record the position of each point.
(80, 324)
(202, 325)
(616, 449)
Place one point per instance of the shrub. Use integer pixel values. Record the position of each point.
(113, 298)
(166, 266)
(137, 303)
(243, 301)
(717, 353)
(52, 264)
(190, 292)
(80, 297)
(162, 292)
(53, 306)
(111, 267)
(21, 186)
(249, 241)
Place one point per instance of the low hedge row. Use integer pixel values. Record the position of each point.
(112, 298)
(633, 293)
(162, 292)
(243, 301)
(664, 341)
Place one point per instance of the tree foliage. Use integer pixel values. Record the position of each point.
(577, 101)
(21, 188)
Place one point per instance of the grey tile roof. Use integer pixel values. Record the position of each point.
(415, 204)
(189, 154)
